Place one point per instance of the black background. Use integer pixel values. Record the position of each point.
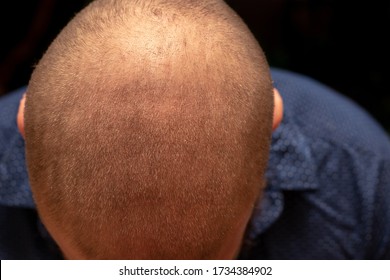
(343, 44)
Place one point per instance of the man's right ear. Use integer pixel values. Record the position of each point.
(20, 116)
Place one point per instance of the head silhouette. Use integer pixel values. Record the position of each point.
(147, 128)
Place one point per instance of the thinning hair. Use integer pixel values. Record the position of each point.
(148, 128)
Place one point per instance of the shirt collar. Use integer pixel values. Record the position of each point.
(291, 168)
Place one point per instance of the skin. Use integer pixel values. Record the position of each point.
(234, 239)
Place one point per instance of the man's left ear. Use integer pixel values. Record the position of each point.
(278, 109)
(20, 116)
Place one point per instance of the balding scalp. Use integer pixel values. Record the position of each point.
(148, 128)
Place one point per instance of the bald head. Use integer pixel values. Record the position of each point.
(147, 130)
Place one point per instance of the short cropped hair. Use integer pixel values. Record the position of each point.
(148, 127)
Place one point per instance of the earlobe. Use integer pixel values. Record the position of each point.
(278, 109)
(20, 116)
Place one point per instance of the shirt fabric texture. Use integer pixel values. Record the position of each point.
(327, 194)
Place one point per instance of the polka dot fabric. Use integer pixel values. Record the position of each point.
(14, 187)
(328, 193)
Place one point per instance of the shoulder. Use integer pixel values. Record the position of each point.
(9, 104)
(14, 186)
(8, 128)
(328, 180)
(323, 113)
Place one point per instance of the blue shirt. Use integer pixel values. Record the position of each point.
(327, 196)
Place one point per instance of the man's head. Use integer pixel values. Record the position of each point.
(147, 128)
